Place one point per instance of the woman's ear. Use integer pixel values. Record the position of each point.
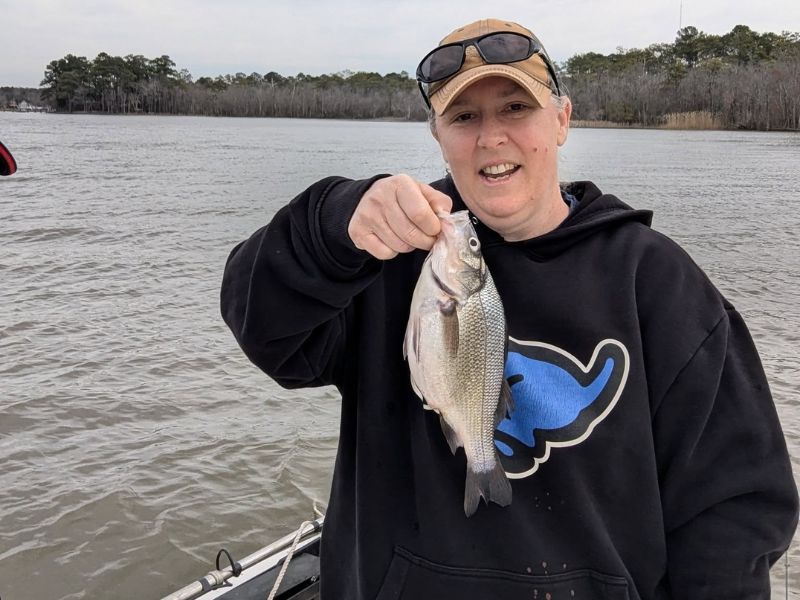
(563, 120)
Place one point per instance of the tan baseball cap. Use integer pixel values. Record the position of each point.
(532, 73)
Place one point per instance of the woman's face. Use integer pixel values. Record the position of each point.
(502, 150)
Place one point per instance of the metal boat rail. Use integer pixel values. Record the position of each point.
(218, 577)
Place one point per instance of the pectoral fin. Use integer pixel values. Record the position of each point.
(449, 326)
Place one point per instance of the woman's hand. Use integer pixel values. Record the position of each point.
(397, 214)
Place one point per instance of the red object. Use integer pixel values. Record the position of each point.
(8, 165)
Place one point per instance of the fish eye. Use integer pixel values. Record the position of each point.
(474, 244)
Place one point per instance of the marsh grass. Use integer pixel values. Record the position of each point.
(684, 120)
(701, 119)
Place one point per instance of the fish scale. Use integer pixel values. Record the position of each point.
(456, 345)
(478, 328)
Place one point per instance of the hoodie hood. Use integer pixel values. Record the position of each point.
(595, 211)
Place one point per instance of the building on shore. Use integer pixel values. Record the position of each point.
(26, 106)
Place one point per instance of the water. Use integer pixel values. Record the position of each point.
(136, 439)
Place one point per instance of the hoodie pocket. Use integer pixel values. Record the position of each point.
(411, 577)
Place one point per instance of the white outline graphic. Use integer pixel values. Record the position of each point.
(548, 444)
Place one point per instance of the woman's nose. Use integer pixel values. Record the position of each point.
(491, 134)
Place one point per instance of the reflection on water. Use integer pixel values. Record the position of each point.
(135, 437)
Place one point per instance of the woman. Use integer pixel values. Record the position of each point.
(645, 453)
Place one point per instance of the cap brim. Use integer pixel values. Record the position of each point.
(8, 165)
(443, 97)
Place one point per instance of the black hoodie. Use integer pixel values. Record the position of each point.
(645, 453)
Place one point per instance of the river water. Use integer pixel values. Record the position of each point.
(136, 439)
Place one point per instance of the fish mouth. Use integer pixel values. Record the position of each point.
(499, 171)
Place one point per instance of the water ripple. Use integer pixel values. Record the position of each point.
(136, 439)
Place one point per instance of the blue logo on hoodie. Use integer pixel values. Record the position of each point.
(558, 401)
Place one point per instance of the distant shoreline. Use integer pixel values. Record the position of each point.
(689, 121)
(677, 122)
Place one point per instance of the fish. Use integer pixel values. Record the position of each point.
(456, 343)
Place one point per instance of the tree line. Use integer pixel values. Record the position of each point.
(742, 79)
(136, 84)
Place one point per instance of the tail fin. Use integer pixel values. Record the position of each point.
(491, 485)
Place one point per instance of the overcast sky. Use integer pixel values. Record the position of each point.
(315, 37)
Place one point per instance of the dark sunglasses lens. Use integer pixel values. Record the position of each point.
(505, 47)
(441, 63)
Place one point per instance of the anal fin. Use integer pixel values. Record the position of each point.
(450, 435)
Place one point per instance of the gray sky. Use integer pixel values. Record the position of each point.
(315, 37)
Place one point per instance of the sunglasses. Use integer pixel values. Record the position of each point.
(500, 47)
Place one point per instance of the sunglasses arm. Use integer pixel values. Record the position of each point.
(424, 95)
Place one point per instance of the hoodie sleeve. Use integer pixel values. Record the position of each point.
(729, 499)
(287, 290)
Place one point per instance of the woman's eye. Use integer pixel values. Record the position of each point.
(463, 117)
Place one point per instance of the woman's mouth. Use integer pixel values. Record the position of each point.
(499, 172)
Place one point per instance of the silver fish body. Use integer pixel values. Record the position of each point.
(455, 345)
